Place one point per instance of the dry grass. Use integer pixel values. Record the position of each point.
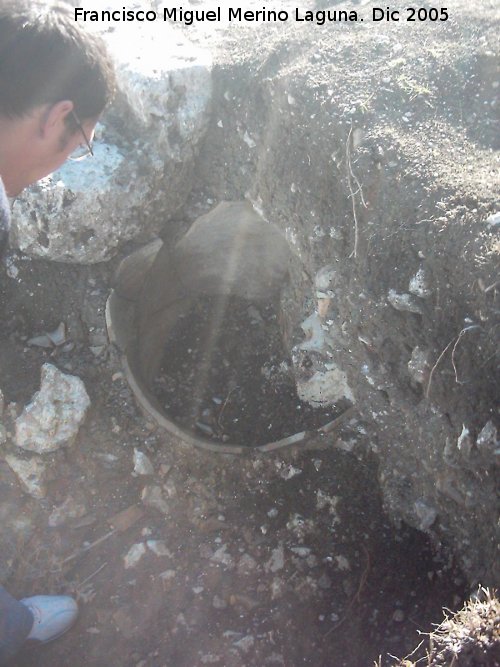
(468, 638)
(471, 636)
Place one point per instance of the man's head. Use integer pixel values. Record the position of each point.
(55, 81)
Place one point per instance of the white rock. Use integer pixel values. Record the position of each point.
(342, 563)
(325, 501)
(245, 644)
(168, 575)
(159, 548)
(11, 268)
(142, 464)
(31, 474)
(246, 564)
(152, 496)
(290, 471)
(222, 557)
(403, 302)
(50, 339)
(55, 414)
(299, 526)
(419, 285)
(398, 616)
(464, 442)
(325, 388)
(170, 488)
(248, 140)
(85, 210)
(493, 220)
(70, 509)
(487, 440)
(302, 552)
(277, 588)
(324, 279)
(134, 555)
(419, 366)
(219, 603)
(426, 514)
(277, 560)
(312, 327)
(41, 341)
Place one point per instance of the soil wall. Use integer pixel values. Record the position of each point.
(360, 144)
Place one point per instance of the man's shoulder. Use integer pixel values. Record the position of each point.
(4, 217)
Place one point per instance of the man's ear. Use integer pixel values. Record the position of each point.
(53, 121)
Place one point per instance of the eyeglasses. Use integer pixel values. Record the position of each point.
(82, 151)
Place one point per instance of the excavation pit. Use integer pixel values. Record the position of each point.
(205, 339)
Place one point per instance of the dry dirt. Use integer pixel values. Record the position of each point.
(265, 560)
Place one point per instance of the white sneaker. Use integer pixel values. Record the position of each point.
(53, 615)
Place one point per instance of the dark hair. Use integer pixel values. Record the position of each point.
(46, 57)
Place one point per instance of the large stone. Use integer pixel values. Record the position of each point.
(324, 388)
(55, 414)
(144, 154)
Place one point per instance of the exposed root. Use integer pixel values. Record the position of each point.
(357, 596)
(219, 423)
(471, 636)
(88, 547)
(352, 194)
(453, 342)
(427, 391)
(468, 638)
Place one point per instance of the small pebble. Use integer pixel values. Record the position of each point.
(219, 603)
(398, 616)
